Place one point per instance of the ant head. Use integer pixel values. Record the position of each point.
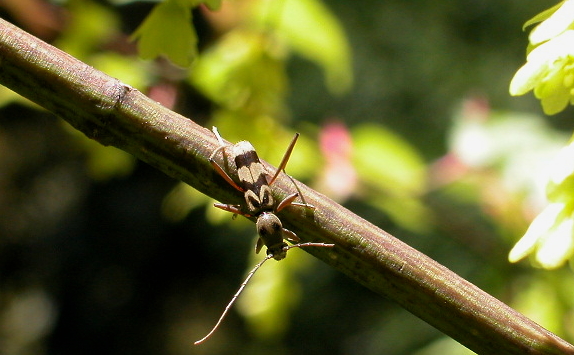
(270, 231)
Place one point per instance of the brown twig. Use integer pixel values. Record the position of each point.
(116, 114)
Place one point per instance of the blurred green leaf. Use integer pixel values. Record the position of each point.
(539, 300)
(168, 31)
(311, 30)
(239, 72)
(102, 163)
(86, 31)
(212, 4)
(129, 70)
(272, 294)
(386, 161)
(8, 96)
(408, 212)
(390, 165)
(181, 200)
(445, 346)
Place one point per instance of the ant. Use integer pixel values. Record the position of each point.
(254, 183)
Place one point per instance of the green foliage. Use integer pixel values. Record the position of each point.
(85, 33)
(311, 30)
(543, 15)
(395, 183)
(168, 31)
(243, 73)
(550, 237)
(549, 69)
(305, 26)
(493, 167)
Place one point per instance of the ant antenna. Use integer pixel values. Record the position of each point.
(249, 276)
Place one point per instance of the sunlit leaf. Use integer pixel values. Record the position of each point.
(538, 228)
(527, 77)
(557, 246)
(543, 15)
(555, 102)
(561, 184)
(560, 19)
(550, 237)
(549, 70)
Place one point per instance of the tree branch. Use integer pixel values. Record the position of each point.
(115, 114)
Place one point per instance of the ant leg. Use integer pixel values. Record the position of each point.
(288, 201)
(285, 158)
(235, 209)
(217, 167)
(218, 136)
(224, 175)
(304, 204)
(290, 236)
(220, 140)
(310, 244)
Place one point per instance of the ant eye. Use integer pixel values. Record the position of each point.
(276, 226)
(263, 231)
(270, 228)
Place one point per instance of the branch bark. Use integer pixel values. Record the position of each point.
(115, 114)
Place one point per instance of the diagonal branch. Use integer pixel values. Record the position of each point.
(115, 114)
